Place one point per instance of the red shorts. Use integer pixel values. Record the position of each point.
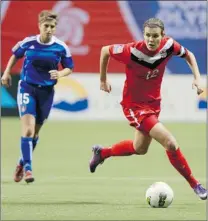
(142, 116)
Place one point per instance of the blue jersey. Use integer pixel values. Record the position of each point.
(40, 58)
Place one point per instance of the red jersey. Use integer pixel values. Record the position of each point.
(145, 69)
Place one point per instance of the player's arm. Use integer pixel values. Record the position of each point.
(104, 59)
(18, 52)
(6, 79)
(65, 72)
(120, 52)
(191, 61)
(67, 64)
(180, 51)
(55, 74)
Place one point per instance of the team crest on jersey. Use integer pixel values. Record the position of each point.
(163, 54)
(117, 49)
(23, 108)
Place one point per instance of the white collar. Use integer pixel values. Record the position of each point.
(49, 43)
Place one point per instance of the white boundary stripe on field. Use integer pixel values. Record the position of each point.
(172, 179)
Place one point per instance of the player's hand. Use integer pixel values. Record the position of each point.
(6, 80)
(105, 86)
(54, 74)
(196, 84)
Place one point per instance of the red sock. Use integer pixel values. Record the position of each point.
(124, 148)
(179, 162)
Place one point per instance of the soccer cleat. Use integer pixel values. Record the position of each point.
(19, 173)
(201, 191)
(28, 176)
(96, 158)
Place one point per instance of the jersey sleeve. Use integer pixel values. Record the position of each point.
(19, 49)
(66, 58)
(179, 50)
(120, 52)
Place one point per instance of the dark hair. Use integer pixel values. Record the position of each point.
(154, 22)
(47, 15)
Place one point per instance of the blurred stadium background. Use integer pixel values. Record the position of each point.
(82, 116)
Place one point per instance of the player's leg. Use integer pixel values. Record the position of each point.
(28, 130)
(177, 159)
(127, 147)
(40, 119)
(31, 125)
(36, 135)
(141, 142)
(27, 112)
(34, 141)
(44, 104)
(40, 116)
(138, 146)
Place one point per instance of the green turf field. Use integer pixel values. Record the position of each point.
(64, 188)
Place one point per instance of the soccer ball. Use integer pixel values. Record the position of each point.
(159, 195)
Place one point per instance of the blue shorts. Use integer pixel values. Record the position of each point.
(35, 100)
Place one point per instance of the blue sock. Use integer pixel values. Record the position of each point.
(26, 148)
(34, 141)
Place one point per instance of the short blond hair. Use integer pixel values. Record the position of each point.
(47, 15)
(154, 22)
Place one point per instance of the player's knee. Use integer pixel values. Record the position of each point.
(28, 132)
(141, 150)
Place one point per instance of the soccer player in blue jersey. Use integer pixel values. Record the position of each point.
(42, 54)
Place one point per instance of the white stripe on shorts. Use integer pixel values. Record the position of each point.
(134, 117)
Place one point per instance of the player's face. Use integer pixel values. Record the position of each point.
(152, 37)
(47, 29)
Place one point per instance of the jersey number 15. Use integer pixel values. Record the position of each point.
(23, 98)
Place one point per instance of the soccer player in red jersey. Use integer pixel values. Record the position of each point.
(145, 63)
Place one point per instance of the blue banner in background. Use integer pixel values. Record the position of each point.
(9, 98)
(185, 21)
(7, 101)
